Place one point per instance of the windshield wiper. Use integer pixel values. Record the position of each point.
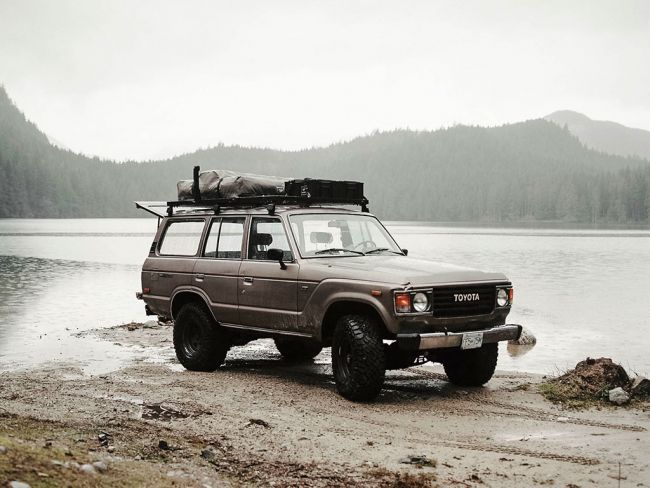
(380, 249)
(338, 249)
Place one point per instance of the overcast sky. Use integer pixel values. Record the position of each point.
(150, 79)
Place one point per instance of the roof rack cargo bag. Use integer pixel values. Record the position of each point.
(216, 184)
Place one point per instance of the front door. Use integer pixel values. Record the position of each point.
(267, 293)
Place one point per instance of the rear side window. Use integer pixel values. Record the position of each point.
(225, 238)
(182, 238)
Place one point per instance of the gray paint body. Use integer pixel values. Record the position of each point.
(260, 297)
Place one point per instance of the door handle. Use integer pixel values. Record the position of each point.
(199, 277)
(165, 275)
(248, 280)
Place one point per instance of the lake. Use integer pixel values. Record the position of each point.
(581, 292)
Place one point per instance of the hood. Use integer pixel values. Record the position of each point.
(399, 270)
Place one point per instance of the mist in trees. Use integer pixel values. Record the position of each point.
(533, 170)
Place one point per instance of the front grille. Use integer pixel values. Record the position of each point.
(446, 305)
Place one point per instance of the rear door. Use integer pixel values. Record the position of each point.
(267, 293)
(216, 271)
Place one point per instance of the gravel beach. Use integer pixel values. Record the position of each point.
(260, 421)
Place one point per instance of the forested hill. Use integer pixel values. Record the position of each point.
(530, 170)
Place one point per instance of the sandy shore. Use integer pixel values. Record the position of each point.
(262, 421)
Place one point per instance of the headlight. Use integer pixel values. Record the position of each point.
(502, 297)
(420, 302)
(413, 301)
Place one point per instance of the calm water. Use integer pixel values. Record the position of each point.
(582, 293)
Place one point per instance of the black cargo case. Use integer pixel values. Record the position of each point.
(323, 189)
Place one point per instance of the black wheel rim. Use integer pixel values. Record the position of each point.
(344, 357)
(191, 338)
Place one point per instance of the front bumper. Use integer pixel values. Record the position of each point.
(440, 340)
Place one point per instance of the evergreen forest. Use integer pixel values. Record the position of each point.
(528, 171)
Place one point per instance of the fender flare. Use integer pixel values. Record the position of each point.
(194, 291)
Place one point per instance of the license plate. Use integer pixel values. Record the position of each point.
(472, 340)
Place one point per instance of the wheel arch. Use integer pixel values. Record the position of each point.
(183, 296)
(347, 307)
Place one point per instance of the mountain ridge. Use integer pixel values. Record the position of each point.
(604, 135)
(531, 170)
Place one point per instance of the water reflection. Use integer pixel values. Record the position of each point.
(64, 276)
(43, 302)
(582, 293)
(578, 291)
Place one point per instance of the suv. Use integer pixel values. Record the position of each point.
(310, 276)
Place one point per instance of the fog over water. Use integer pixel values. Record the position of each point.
(581, 292)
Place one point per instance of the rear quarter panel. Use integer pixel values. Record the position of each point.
(164, 275)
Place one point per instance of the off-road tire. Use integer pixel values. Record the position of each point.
(298, 349)
(200, 344)
(358, 358)
(472, 367)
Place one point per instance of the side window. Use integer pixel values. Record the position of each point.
(182, 238)
(213, 239)
(225, 238)
(230, 238)
(267, 233)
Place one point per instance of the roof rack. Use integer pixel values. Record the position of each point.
(268, 201)
(297, 192)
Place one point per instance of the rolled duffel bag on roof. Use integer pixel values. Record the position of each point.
(229, 184)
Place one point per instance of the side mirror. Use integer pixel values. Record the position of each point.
(405, 251)
(275, 254)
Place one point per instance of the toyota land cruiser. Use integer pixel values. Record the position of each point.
(310, 275)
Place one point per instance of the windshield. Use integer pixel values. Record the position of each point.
(341, 234)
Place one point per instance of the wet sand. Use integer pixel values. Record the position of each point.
(262, 421)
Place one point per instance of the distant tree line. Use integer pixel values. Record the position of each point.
(532, 170)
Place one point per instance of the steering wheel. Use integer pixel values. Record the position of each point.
(365, 244)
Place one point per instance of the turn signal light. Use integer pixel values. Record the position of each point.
(403, 302)
(511, 295)
(146, 290)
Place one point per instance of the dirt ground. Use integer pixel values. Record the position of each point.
(260, 421)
